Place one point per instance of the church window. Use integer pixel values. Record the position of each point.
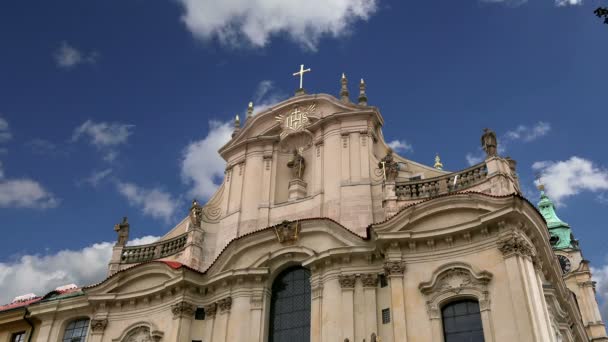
(462, 321)
(199, 314)
(18, 337)
(383, 280)
(386, 316)
(290, 306)
(76, 331)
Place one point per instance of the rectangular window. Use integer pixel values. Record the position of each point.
(383, 281)
(18, 337)
(386, 316)
(199, 315)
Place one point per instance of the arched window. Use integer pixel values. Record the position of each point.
(76, 331)
(290, 307)
(462, 322)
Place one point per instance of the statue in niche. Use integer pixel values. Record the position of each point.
(196, 214)
(123, 232)
(489, 142)
(389, 166)
(297, 164)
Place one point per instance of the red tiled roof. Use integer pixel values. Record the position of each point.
(19, 304)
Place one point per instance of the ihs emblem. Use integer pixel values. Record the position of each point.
(295, 120)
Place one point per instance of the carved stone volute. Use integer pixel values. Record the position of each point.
(98, 325)
(369, 279)
(347, 281)
(513, 243)
(225, 304)
(210, 310)
(394, 268)
(183, 309)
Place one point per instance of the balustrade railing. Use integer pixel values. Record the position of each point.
(161, 249)
(456, 181)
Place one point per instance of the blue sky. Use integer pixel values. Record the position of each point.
(109, 108)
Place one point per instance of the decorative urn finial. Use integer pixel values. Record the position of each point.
(344, 89)
(237, 125)
(438, 165)
(250, 110)
(362, 95)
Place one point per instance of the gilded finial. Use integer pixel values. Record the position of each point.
(237, 122)
(344, 89)
(362, 95)
(438, 165)
(250, 110)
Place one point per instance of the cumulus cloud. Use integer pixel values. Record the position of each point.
(202, 167)
(44, 147)
(67, 56)
(5, 133)
(600, 275)
(106, 136)
(153, 202)
(266, 95)
(401, 146)
(475, 158)
(254, 22)
(562, 3)
(41, 274)
(566, 178)
(25, 193)
(529, 133)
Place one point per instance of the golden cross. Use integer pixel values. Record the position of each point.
(301, 73)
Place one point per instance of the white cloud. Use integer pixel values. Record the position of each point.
(202, 167)
(25, 193)
(561, 3)
(41, 274)
(106, 136)
(600, 275)
(67, 56)
(475, 158)
(266, 95)
(254, 22)
(5, 133)
(1, 170)
(153, 202)
(569, 177)
(527, 134)
(602, 198)
(401, 146)
(96, 177)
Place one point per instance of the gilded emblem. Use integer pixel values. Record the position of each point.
(296, 120)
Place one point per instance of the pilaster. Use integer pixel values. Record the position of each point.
(97, 328)
(347, 283)
(210, 311)
(370, 286)
(183, 312)
(395, 270)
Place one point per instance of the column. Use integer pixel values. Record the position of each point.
(221, 324)
(183, 312)
(347, 283)
(239, 319)
(316, 291)
(256, 321)
(370, 285)
(332, 309)
(210, 311)
(44, 332)
(395, 271)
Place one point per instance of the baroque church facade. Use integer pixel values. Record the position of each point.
(319, 232)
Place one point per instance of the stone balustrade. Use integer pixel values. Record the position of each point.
(457, 181)
(160, 249)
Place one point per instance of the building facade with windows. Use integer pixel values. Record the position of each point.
(319, 232)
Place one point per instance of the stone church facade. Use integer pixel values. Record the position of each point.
(319, 232)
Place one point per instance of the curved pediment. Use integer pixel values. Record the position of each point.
(315, 237)
(451, 212)
(148, 277)
(264, 125)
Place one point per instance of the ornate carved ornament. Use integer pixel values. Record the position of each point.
(210, 310)
(143, 334)
(98, 325)
(225, 304)
(183, 309)
(456, 279)
(288, 232)
(369, 279)
(513, 243)
(296, 119)
(394, 268)
(196, 214)
(347, 281)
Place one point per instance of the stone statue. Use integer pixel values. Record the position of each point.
(489, 142)
(123, 232)
(297, 165)
(196, 214)
(373, 337)
(389, 166)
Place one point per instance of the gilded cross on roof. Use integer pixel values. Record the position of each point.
(301, 73)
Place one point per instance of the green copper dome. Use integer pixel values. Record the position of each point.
(561, 234)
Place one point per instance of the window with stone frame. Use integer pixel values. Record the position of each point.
(18, 337)
(76, 331)
(462, 321)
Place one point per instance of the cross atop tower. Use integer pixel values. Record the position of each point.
(301, 74)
